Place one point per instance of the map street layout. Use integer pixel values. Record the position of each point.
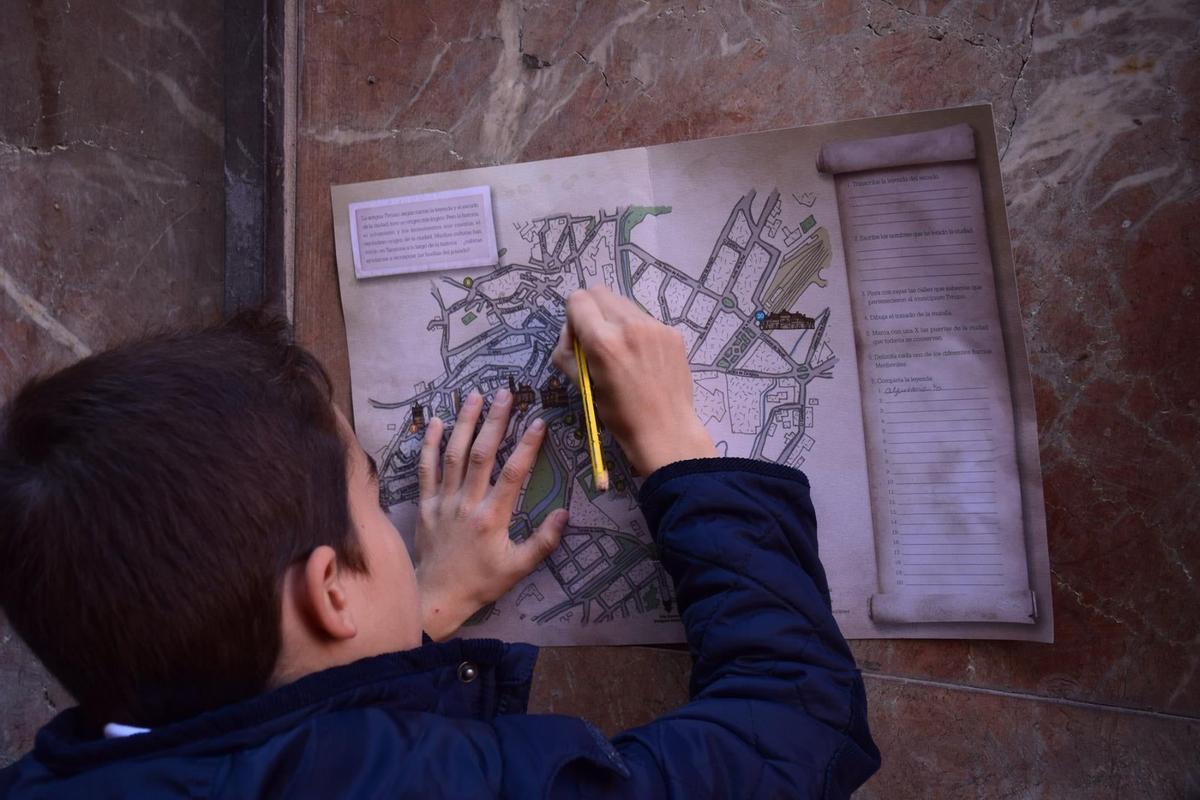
(753, 355)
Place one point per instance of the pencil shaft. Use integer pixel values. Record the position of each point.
(595, 452)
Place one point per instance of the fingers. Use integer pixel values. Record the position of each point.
(596, 314)
(483, 453)
(517, 468)
(541, 542)
(615, 307)
(584, 316)
(564, 355)
(427, 466)
(454, 463)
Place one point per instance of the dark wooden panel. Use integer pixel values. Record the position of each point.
(254, 155)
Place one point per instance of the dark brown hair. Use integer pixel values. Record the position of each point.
(151, 499)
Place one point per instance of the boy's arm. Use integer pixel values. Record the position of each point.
(778, 707)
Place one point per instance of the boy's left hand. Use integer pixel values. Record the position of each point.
(464, 558)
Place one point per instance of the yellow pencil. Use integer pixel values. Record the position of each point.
(599, 474)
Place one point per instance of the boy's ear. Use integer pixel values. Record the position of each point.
(325, 598)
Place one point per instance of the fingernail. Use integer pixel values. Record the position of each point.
(560, 517)
(537, 425)
(474, 397)
(503, 396)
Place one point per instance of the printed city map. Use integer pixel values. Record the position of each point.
(788, 261)
(754, 321)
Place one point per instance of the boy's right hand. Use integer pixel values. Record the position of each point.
(640, 378)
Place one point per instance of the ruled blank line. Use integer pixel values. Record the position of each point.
(941, 482)
(957, 536)
(938, 421)
(932, 441)
(963, 461)
(937, 430)
(971, 252)
(906, 552)
(946, 513)
(911, 210)
(916, 431)
(907, 277)
(928, 473)
(939, 460)
(919, 421)
(938, 400)
(994, 523)
(920, 266)
(945, 449)
(930, 452)
(937, 439)
(949, 533)
(989, 522)
(939, 491)
(975, 419)
(934, 410)
(914, 219)
(906, 191)
(915, 247)
(925, 200)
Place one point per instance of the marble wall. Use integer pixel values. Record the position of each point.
(1096, 115)
(111, 192)
(110, 180)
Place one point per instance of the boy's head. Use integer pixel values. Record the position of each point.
(187, 520)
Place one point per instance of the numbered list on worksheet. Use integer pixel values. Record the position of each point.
(937, 411)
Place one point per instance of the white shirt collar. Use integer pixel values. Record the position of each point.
(115, 730)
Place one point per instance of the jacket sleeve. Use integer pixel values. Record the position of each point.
(777, 704)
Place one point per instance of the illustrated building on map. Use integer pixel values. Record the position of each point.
(798, 269)
(522, 396)
(418, 418)
(788, 321)
(554, 394)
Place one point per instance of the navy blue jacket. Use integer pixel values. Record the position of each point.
(777, 706)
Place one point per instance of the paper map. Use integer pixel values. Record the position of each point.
(753, 359)
(839, 358)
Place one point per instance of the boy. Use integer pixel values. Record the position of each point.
(192, 542)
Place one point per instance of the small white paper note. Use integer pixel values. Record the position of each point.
(423, 232)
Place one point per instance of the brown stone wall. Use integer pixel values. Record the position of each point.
(112, 201)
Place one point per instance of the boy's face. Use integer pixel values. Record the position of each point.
(387, 608)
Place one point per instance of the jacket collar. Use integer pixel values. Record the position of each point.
(413, 680)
